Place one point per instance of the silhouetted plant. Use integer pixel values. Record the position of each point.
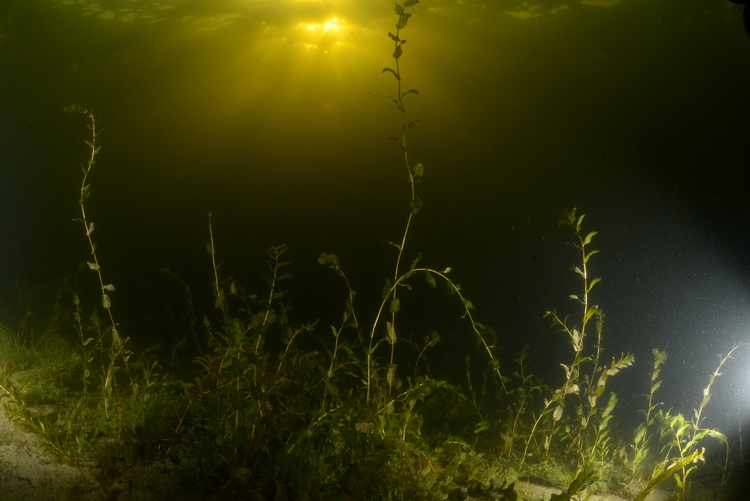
(414, 174)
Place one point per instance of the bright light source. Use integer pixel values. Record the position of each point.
(333, 24)
(325, 34)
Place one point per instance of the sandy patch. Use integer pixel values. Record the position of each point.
(28, 472)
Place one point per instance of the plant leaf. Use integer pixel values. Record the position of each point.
(402, 20)
(390, 333)
(392, 71)
(588, 238)
(557, 414)
(416, 260)
(85, 192)
(415, 205)
(417, 171)
(588, 256)
(592, 284)
(430, 279)
(395, 305)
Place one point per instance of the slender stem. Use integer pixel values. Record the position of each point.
(403, 16)
(218, 293)
(404, 146)
(117, 346)
(467, 312)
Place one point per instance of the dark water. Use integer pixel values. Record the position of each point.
(637, 113)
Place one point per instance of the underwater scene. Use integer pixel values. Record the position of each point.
(374, 250)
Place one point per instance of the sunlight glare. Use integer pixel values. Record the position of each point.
(326, 34)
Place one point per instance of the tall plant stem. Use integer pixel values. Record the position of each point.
(414, 173)
(476, 326)
(403, 17)
(117, 346)
(218, 292)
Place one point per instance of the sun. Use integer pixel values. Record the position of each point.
(326, 34)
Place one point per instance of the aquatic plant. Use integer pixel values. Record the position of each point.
(118, 353)
(102, 354)
(642, 441)
(586, 440)
(269, 408)
(520, 398)
(682, 439)
(243, 395)
(414, 174)
(400, 278)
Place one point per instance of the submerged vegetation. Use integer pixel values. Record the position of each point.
(270, 409)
